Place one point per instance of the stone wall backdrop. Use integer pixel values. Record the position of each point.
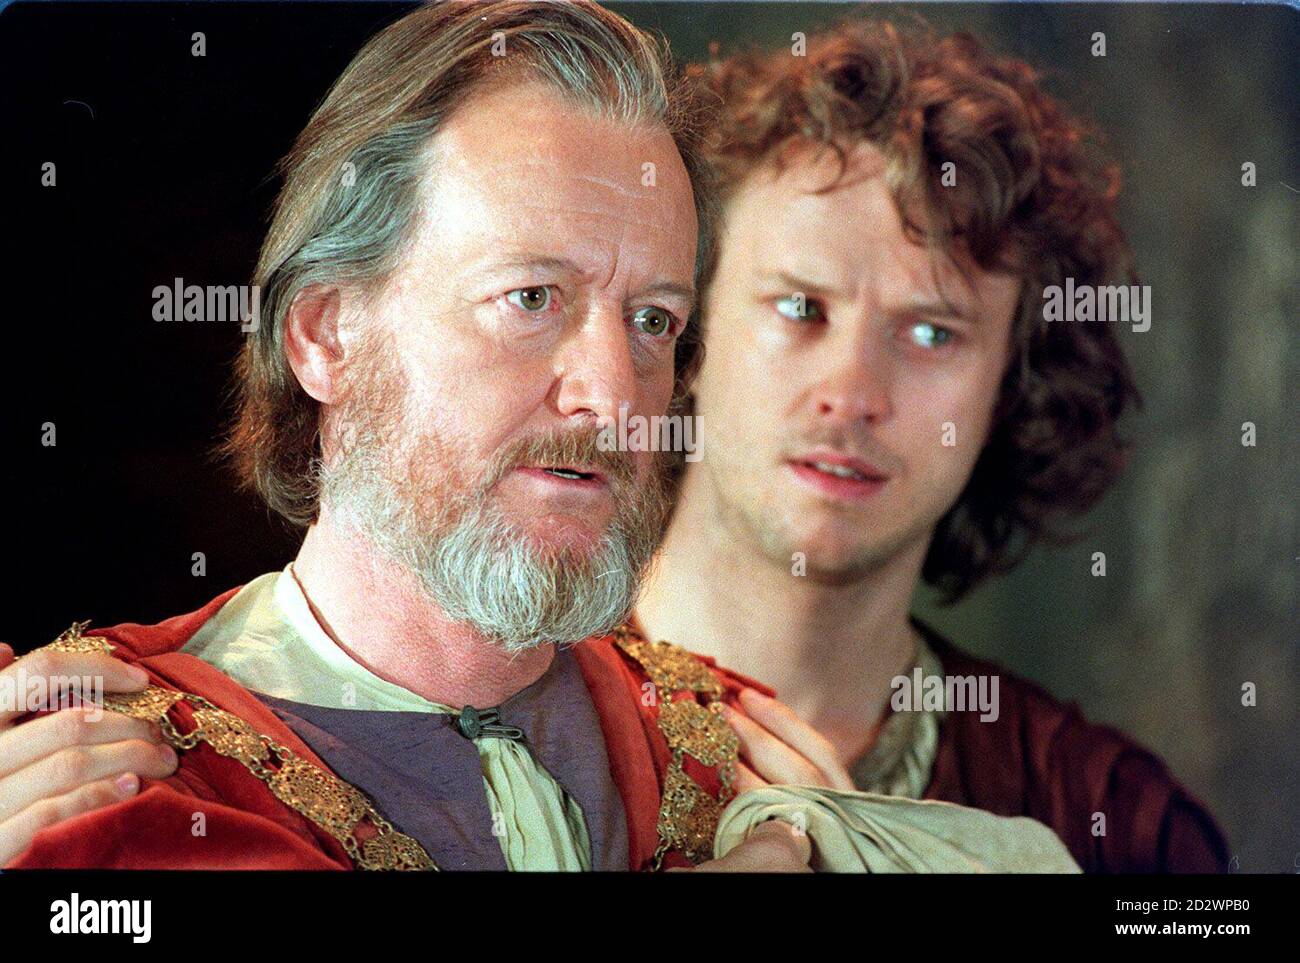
(1199, 595)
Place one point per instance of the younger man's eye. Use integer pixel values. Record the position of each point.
(530, 299)
(797, 307)
(929, 335)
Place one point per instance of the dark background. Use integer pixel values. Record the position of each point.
(171, 177)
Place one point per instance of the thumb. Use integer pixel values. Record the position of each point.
(785, 834)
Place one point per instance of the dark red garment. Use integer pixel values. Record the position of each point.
(246, 827)
(1042, 759)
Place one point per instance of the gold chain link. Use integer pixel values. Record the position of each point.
(330, 803)
(688, 816)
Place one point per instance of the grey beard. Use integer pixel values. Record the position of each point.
(484, 574)
(480, 571)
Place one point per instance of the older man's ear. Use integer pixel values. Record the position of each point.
(313, 342)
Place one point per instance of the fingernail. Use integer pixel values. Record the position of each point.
(126, 784)
(168, 755)
(137, 674)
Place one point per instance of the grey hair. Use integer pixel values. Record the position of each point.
(349, 201)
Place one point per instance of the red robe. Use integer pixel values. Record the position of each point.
(248, 828)
(1042, 759)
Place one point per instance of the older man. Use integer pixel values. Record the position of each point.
(440, 338)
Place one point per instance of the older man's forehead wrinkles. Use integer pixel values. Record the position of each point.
(669, 289)
(545, 171)
(638, 192)
(652, 220)
(540, 262)
(551, 189)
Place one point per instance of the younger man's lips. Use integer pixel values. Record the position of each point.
(840, 465)
(834, 480)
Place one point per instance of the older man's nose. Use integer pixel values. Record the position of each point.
(598, 374)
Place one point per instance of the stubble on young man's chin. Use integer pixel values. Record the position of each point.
(824, 544)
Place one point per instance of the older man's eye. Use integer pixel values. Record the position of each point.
(929, 335)
(531, 299)
(798, 307)
(654, 321)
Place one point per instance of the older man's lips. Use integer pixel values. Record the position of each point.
(837, 476)
(565, 478)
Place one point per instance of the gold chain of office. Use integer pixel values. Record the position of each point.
(332, 804)
(688, 815)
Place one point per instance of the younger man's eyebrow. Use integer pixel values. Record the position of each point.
(798, 284)
(937, 305)
(940, 306)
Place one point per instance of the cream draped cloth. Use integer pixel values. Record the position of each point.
(267, 639)
(859, 832)
(886, 827)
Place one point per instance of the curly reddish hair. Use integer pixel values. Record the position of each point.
(1034, 197)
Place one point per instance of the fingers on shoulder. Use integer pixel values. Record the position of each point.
(17, 833)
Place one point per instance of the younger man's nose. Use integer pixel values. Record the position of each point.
(856, 391)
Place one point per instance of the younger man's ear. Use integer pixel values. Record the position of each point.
(312, 343)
